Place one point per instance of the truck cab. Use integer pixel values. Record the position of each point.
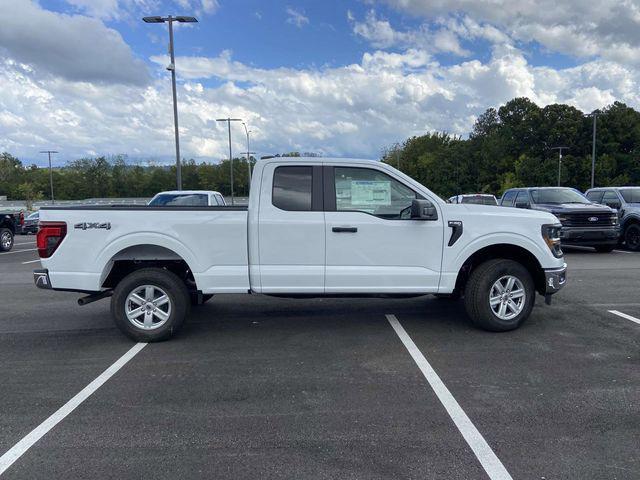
(313, 227)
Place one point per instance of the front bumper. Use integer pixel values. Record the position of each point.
(554, 279)
(590, 236)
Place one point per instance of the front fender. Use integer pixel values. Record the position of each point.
(543, 256)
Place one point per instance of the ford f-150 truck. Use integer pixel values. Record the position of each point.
(313, 227)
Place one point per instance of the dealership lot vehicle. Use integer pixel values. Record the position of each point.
(583, 222)
(313, 227)
(325, 388)
(9, 224)
(626, 200)
(30, 225)
(188, 198)
(475, 198)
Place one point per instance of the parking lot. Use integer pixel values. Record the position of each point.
(259, 387)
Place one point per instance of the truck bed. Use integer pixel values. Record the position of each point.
(211, 240)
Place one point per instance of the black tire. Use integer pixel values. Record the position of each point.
(162, 280)
(632, 237)
(604, 248)
(6, 240)
(195, 301)
(478, 291)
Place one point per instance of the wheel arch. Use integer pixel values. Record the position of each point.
(507, 251)
(138, 256)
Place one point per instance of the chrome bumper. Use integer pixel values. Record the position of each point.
(555, 278)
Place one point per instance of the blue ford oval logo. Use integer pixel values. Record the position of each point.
(593, 219)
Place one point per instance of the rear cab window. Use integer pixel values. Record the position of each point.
(293, 188)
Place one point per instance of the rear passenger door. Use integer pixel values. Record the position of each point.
(291, 229)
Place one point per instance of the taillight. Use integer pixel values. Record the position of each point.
(50, 235)
(21, 219)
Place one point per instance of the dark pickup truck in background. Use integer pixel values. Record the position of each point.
(9, 225)
(626, 200)
(584, 223)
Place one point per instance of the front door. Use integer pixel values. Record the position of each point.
(372, 244)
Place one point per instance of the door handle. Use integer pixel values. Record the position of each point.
(344, 229)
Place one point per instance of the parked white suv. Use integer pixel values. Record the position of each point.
(312, 227)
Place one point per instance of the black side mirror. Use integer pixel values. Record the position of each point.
(423, 210)
(614, 205)
(522, 205)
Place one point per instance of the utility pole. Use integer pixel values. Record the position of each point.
(229, 120)
(49, 152)
(559, 160)
(172, 68)
(248, 156)
(593, 150)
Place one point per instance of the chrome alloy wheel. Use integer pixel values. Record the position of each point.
(507, 297)
(6, 240)
(148, 307)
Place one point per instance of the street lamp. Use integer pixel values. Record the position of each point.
(247, 131)
(559, 160)
(229, 120)
(49, 152)
(172, 67)
(593, 148)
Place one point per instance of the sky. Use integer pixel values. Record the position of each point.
(339, 78)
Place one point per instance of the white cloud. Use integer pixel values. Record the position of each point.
(133, 9)
(296, 17)
(608, 28)
(75, 47)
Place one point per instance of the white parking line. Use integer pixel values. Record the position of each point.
(31, 261)
(488, 459)
(27, 243)
(624, 315)
(41, 430)
(19, 251)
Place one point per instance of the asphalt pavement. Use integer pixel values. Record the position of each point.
(258, 387)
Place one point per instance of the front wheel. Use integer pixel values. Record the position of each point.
(6, 240)
(632, 237)
(499, 295)
(150, 304)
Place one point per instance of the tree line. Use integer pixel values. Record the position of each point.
(512, 146)
(508, 147)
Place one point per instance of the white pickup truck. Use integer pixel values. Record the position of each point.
(316, 227)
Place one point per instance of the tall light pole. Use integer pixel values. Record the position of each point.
(247, 131)
(49, 152)
(593, 150)
(559, 160)
(229, 120)
(172, 67)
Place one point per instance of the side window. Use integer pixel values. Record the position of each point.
(219, 199)
(292, 188)
(595, 196)
(371, 191)
(523, 197)
(508, 198)
(611, 198)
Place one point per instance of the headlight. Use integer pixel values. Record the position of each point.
(614, 219)
(551, 235)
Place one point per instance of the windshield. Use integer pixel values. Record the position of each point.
(179, 200)
(557, 195)
(33, 216)
(631, 195)
(480, 200)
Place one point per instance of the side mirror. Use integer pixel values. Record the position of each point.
(522, 205)
(614, 205)
(423, 210)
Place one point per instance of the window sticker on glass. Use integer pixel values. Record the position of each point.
(370, 192)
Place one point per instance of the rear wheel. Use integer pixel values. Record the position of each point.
(150, 304)
(632, 237)
(605, 248)
(6, 240)
(499, 295)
